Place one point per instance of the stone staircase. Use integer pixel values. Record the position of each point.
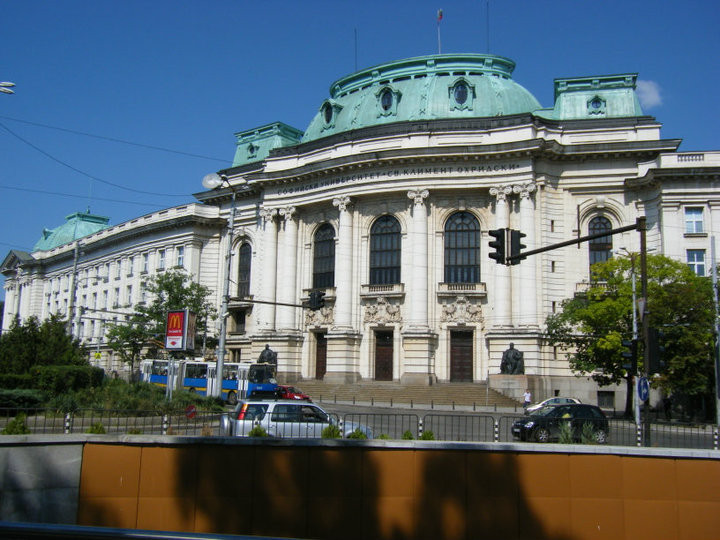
(443, 395)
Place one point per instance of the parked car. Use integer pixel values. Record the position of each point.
(283, 418)
(551, 401)
(544, 424)
(291, 392)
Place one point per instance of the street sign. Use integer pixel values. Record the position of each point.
(190, 411)
(98, 356)
(643, 389)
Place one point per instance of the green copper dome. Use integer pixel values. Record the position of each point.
(76, 226)
(443, 86)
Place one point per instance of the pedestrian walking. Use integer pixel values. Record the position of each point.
(527, 398)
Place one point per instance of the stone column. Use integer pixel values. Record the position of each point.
(527, 292)
(287, 270)
(417, 315)
(266, 320)
(501, 290)
(343, 265)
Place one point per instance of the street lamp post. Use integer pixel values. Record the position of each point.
(214, 181)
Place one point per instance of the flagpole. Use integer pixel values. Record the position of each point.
(439, 18)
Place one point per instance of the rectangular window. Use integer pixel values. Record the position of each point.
(116, 297)
(104, 300)
(693, 220)
(107, 272)
(118, 268)
(161, 259)
(94, 301)
(696, 261)
(130, 265)
(128, 295)
(180, 257)
(145, 263)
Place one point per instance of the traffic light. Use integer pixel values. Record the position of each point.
(316, 300)
(630, 355)
(516, 247)
(499, 244)
(656, 346)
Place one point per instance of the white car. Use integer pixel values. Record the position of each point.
(283, 418)
(552, 401)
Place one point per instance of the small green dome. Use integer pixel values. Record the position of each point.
(76, 226)
(443, 86)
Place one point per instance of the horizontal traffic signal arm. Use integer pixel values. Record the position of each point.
(512, 258)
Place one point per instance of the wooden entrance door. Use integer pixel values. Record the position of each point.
(383, 356)
(320, 355)
(461, 356)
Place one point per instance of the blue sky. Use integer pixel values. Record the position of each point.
(177, 79)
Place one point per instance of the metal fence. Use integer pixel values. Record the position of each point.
(435, 426)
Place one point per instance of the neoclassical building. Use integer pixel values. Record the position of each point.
(384, 203)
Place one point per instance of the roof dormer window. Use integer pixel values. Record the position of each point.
(597, 106)
(327, 112)
(386, 99)
(461, 95)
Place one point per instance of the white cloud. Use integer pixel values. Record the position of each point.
(649, 94)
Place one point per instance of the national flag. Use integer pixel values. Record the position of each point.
(439, 16)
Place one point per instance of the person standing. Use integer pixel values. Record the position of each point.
(527, 398)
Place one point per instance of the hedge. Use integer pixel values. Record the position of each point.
(57, 380)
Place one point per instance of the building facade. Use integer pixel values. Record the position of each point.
(384, 204)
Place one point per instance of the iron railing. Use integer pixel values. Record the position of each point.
(437, 426)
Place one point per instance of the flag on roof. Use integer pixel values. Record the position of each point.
(439, 18)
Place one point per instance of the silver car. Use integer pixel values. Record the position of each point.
(552, 401)
(283, 418)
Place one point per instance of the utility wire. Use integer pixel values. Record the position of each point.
(43, 192)
(64, 164)
(113, 139)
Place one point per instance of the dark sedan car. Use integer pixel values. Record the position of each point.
(545, 424)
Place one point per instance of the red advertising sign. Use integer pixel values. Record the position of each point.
(175, 330)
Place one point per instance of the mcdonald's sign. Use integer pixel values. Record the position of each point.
(180, 330)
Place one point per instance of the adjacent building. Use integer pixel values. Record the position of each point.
(384, 203)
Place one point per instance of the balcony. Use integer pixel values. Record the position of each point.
(392, 290)
(469, 290)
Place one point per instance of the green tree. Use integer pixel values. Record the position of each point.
(592, 326)
(32, 343)
(168, 291)
(128, 340)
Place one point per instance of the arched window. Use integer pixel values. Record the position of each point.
(385, 251)
(244, 262)
(462, 249)
(600, 248)
(324, 257)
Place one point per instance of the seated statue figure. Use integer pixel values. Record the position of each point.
(512, 362)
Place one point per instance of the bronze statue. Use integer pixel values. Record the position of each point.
(268, 356)
(512, 362)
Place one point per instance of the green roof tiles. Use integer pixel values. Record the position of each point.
(423, 88)
(76, 226)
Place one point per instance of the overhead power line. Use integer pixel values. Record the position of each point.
(44, 192)
(114, 139)
(64, 164)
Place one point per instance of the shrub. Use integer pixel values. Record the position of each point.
(587, 434)
(16, 426)
(56, 380)
(15, 381)
(383, 436)
(21, 399)
(134, 431)
(331, 432)
(427, 436)
(257, 431)
(357, 434)
(566, 433)
(407, 436)
(97, 429)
